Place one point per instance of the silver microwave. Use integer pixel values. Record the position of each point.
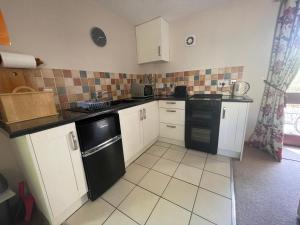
(141, 90)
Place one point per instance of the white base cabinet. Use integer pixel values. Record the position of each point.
(233, 124)
(52, 165)
(139, 128)
(172, 122)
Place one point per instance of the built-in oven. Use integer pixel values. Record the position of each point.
(202, 122)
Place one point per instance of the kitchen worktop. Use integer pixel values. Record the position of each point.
(31, 126)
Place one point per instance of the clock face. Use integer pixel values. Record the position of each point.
(98, 36)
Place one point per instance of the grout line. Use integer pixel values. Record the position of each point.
(165, 187)
(198, 190)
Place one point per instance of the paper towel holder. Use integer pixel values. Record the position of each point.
(38, 61)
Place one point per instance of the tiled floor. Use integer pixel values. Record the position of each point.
(167, 185)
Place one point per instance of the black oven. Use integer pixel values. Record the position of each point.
(202, 122)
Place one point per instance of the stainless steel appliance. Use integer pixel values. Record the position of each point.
(102, 152)
(141, 90)
(202, 122)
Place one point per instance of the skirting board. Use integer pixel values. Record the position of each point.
(228, 153)
(171, 141)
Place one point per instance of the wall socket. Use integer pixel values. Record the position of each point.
(223, 83)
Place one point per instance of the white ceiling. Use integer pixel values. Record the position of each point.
(140, 11)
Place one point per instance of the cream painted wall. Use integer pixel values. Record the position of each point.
(58, 32)
(236, 34)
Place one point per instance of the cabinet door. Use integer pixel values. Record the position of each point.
(60, 166)
(132, 133)
(152, 41)
(233, 126)
(150, 122)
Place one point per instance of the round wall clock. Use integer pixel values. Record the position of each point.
(190, 40)
(98, 36)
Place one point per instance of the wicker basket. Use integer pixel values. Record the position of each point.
(21, 106)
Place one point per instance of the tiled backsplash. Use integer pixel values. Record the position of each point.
(74, 85)
(198, 81)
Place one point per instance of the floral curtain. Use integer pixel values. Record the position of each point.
(284, 65)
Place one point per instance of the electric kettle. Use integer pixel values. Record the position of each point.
(240, 88)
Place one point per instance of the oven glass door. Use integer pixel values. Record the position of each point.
(202, 136)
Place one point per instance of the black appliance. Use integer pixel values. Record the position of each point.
(141, 90)
(202, 122)
(102, 152)
(180, 92)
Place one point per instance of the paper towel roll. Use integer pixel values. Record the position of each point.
(14, 60)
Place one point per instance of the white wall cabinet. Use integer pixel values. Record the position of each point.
(233, 123)
(52, 165)
(172, 122)
(139, 128)
(153, 41)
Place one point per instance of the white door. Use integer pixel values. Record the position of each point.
(60, 165)
(233, 126)
(150, 122)
(132, 133)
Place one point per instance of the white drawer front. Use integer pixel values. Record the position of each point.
(173, 116)
(172, 104)
(172, 131)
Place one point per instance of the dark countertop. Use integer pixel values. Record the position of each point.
(31, 126)
(229, 98)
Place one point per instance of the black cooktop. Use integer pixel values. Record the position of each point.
(217, 97)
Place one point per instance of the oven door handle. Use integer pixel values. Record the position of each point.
(100, 147)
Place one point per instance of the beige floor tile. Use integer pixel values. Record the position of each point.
(135, 173)
(118, 192)
(213, 207)
(139, 204)
(163, 144)
(155, 182)
(178, 148)
(189, 174)
(118, 218)
(174, 155)
(194, 161)
(218, 167)
(197, 153)
(196, 220)
(157, 150)
(147, 160)
(181, 193)
(167, 213)
(89, 213)
(219, 158)
(216, 183)
(166, 166)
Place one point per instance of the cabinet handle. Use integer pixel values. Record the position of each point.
(170, 126)
(144, 112)
(141, 115)
(73, 141)
(171, 103)
(224, 113)
(168, 110)
(159, 52)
